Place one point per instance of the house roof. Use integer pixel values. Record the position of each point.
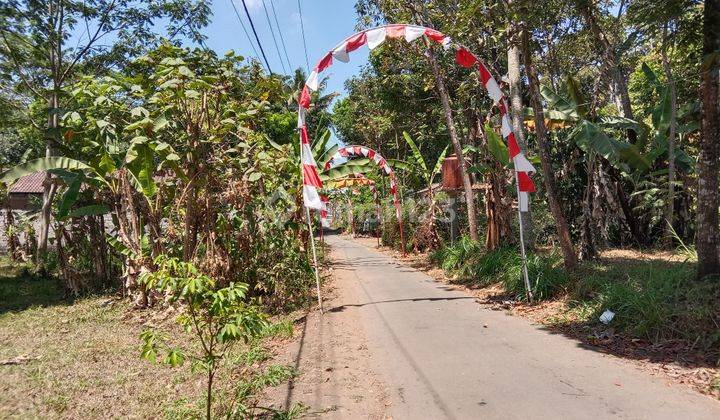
(32, 184)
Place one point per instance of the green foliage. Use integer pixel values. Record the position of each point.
(217, 317)
(42, 164)
(279, 273)
(548, 278)
(654, 300)
(470, 264)
(453, 258)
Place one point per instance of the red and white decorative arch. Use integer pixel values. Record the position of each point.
(379, 160)
(373, 38)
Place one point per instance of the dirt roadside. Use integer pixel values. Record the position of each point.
(331, 356)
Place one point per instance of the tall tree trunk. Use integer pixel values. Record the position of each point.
(55, 29)
(48, 187)
(618, 85)
(621, 96)
(670, 209)
(563, 231)
(588, 250)
(517, 114)
(464, 173)
(708, 235)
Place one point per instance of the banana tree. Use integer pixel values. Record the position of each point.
(126, 179)
(666, 133)
(604, 156)
(418, 167)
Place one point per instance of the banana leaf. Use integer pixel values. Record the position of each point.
(496, 146)
(327, 155)
(42, 164)
(90, 210)
(438, 164)
(624, 156)
(416, 155)
(400, 164)
(558, 107)
(321, 142)
(70, 196)
(141, 168)
(579, 102)
(356, 166)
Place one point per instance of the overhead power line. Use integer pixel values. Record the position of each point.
(257, 38)
(282, 38)
(272, 32)
(302, 29)
(247, 34)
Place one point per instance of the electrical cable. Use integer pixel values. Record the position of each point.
(302, 29)
(282, 38)
(247, 34)
(272, 32)
(257, 38)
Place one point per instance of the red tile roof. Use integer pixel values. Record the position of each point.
(32, 183)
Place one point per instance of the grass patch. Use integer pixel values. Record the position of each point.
(82, 358)
(20, 289)
(471, 265)
(654, 298)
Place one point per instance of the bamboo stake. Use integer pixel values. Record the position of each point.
(522, 243)
(312, 245)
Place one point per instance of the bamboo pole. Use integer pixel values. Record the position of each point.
(522, 243)
(315, 263)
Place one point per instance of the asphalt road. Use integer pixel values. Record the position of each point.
(441, 355)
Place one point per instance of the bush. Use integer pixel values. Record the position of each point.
(546, 275)
(278, 273)
(657, 301)
(453, 258)
(468, 261)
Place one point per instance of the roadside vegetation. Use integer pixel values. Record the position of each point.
(168, 237)
(654, 296)
(610, 107)
(79, 358)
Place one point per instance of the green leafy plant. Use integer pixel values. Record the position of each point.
(217, 318)
(453, 258)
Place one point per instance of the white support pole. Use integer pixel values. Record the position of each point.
(522, 242)
(312, 244)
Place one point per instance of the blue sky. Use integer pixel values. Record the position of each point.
(326, 22)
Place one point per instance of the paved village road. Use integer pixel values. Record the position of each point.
(441, 355)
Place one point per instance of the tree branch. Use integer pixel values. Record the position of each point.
(18, 67)
(89, 44)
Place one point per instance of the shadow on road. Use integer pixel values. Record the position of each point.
(357, 305)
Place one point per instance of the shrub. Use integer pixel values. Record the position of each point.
(218, 317)
(453, 258)
(467, 260)
(659, 301)
(546, 275)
